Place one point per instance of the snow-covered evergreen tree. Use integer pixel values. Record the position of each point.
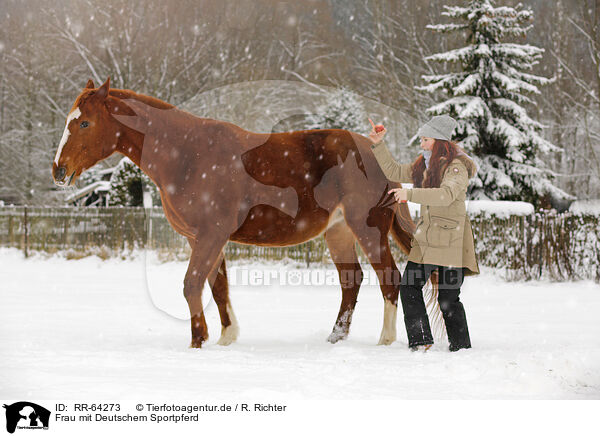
(128, 182)
(486, 92)
(344, 110)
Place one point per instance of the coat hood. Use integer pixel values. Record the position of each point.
(468, 162)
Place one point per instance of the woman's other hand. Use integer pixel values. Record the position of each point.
(399, 194)
(377, 132)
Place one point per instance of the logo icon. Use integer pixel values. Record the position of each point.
(26, 415)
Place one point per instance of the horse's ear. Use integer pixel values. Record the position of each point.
(103, 90)
(90, 85)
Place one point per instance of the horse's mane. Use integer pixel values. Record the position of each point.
(124, 94)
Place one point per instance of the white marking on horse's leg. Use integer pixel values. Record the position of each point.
(340, 331)
(230, 333)
(76, 113)
(388, 333)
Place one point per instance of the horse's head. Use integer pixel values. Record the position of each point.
(91, 134)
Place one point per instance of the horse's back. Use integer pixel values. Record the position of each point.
(302, 155)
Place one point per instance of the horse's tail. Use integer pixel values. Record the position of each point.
(402, 229)
(430, 295)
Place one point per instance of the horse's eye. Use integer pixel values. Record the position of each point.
(84, 124)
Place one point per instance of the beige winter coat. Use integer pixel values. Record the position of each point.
(443, 235)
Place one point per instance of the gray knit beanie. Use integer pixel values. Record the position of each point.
(439, 127)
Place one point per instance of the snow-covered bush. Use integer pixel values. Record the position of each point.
(344, 110)
(580, 207)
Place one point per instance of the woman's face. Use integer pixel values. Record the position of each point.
(427, 143)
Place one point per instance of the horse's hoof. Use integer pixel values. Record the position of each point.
(386, 340)
(228, 335)
(197, 343)
(225, 341)
(336, 337)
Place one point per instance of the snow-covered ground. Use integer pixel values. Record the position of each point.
(90, 329)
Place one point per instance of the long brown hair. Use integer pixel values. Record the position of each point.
(441, 148)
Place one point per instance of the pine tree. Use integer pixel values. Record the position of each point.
(128, 183)
(344, 110)
(486, 95)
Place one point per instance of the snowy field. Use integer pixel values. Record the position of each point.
(88, 328)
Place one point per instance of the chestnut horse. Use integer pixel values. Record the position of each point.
(219, 183)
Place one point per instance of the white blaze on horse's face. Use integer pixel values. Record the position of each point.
(76, 113)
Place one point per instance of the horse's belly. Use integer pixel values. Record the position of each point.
(267, 225)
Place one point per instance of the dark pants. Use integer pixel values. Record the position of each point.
(415, 315)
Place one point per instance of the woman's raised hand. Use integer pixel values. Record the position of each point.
(377, 133)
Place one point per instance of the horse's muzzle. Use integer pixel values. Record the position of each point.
(59, 174)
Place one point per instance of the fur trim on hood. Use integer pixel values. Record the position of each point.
(467, 161)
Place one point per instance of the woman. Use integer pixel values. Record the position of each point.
(443, 239)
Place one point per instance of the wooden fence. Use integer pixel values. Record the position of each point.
(556, 246)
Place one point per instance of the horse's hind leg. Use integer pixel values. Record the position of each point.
(220, 290)
(373, 240)
(340, 242)
(205, 253)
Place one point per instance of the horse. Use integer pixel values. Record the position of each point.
(220, 183)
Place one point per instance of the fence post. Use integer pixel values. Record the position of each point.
(148, 243)
(540, 227)
(25, 232)
(65, 234)
(10, 231)
(307, 247)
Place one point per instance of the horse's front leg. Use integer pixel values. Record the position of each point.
(205, 253)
